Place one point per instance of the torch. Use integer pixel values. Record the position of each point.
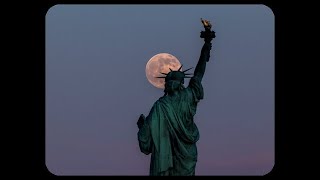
(208, 34)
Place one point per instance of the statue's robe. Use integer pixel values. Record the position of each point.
(170, 134)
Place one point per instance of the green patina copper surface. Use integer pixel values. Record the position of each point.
(169, 132)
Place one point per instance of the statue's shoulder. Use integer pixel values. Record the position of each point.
(158, 104)
(161, 99)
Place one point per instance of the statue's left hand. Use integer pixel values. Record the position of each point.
(141, 121)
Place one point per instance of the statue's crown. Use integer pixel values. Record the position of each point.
(176, 75)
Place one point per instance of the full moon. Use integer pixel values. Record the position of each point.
(160, 63)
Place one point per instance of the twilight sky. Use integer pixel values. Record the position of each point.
(96, 86)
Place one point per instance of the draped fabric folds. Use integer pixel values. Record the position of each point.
(170, 134)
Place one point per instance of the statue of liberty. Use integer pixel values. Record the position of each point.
(169, 132)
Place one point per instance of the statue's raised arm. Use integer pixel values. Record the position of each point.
(207, 35)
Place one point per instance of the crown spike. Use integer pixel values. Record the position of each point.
(163, 73)
(187, 69)
(180, 67)
(170, 69)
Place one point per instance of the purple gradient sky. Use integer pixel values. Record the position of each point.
(96, 86)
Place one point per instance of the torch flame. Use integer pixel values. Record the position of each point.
(206, 23)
